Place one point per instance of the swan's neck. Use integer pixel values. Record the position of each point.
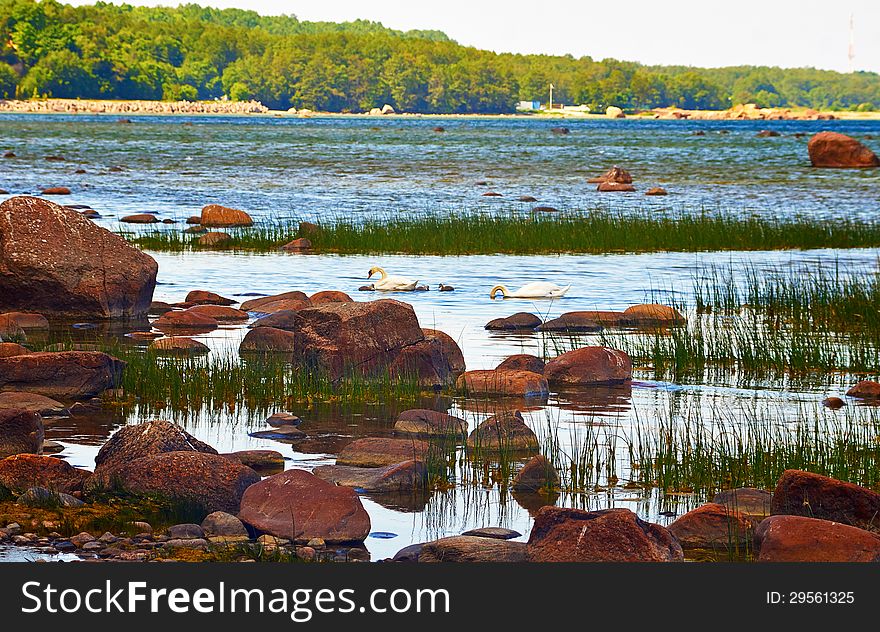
(498, 288)
(382, 273)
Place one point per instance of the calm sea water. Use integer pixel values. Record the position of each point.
(315, 168)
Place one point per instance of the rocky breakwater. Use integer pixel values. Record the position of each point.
(57, 262)
(340, 338)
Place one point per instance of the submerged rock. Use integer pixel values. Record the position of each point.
(713, 526)
(572, 322)
(179, 346)
(203, 297)
(253, 305)
(268, 340)
(214, 238)
(185, 320)
(32, 402)
(538, 475)
(866, 389)
(422, 422)
(503, 432)
(408, 476)
(381, 452)
(299, 506)
(57, 262)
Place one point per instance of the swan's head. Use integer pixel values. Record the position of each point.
(377, 270)
(496, 289)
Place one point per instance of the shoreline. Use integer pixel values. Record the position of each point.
(747, 112)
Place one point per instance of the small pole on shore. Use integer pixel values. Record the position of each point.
(551, 97)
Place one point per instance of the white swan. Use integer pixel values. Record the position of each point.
(391, 283)
(538, 289)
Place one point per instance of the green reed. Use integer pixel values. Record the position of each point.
(537, 233)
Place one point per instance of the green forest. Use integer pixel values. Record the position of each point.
(107, 51)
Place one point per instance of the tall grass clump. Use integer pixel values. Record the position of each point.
(538, 233)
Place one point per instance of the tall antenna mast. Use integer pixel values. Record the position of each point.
(852, 43)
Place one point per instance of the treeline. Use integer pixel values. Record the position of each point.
(48, 49)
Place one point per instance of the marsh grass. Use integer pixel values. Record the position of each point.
(537, 233)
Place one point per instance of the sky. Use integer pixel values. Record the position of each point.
(780, 33)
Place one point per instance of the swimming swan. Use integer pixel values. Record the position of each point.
(538, 289)
(391, 283)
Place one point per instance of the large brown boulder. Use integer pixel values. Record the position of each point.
(363, 337)
(830, 149)
(572, 322)
(425, 362)
(713, 526)
(204, 297)
(503, 382)
(285, 319)
(21, 432)
(63, 374)
(206, 480)
(448, 348)
(469, 548)
(800, 493)
(380, 452)
(615, 174)
(800, 539)
(147, 439)
(589, 365)
(59, 263)
(751, 502)
(330, 296)
(503, 432)
(299, 506)
(216, 216)
(21, 472)
(421, 422)
(185, 320)
(609, 535)
(220, 313)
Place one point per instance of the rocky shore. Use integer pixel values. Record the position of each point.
(87, 106)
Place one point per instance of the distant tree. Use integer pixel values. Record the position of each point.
(8, 81)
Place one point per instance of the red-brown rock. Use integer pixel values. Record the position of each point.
(299, 506)
(448, 348)
(214, 238)
(302, 244)
(800, 539)
(830, 149)
(203, 297)
(522, 362)
(24, 320)
(65, 374)
(330, 296)
(589, 365)
(421, 422)
(380, 452)
(32, 402)
(615, 174)
(502, 433)
(220, 313)
(653, 314)
(254, 304)
(469, 548)
(713, 526)
(140, 218)
(9, 349)
(136, 441)
(572, 322)
(178, 346)
(800, 493)
(56, 262)
(866, 389)
(610, 535)
(56, 191)
(656, 191)
(513, 383)
(21, 472)
(615, 187)
(268, 340)
(520, 321)
(185, 320)
(21, 432)
(210, 481)
(538, 475)
(216, 216)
